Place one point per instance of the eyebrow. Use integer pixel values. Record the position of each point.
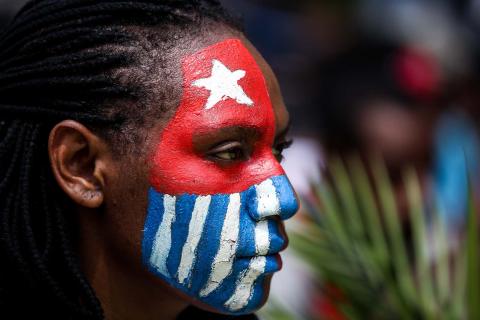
(226, 133)
(242, 131)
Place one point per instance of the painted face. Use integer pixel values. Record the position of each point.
(212, 230)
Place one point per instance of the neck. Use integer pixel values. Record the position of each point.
(125, 290)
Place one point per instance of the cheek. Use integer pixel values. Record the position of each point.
(120, 224)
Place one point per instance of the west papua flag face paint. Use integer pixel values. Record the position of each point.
(212, 231)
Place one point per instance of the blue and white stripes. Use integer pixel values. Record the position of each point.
(223, 261)
(218, 248)
(195, 231)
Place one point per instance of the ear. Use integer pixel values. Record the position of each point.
(78, 159)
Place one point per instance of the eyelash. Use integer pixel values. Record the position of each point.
(232, 154)
(236, 152)
(230, 151)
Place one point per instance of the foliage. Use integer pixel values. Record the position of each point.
(358, 243)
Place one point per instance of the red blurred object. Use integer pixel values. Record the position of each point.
(325, 304)
(417, 73)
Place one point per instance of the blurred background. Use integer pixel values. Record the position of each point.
(394, 79)
(397, 80)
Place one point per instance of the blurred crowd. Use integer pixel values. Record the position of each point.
(396, 79)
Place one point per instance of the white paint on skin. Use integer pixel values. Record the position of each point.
(244, 289)
(268, 203)
(223, 262)
(195, 230)
(163, 238)
(223, 84)
(262, 238)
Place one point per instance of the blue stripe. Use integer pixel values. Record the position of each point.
(227, 289)
(257, 296)
(183, 208)
(252, 204)
(276, 240)
(247, 226)
(286, 196)
(210, 242)
(155, 213)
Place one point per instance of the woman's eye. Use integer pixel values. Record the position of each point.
(229, 155)
(232, 151)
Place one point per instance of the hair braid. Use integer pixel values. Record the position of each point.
(59, 60)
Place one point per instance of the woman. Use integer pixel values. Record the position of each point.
(140, 176)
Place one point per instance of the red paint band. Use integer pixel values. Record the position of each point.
(177, 168)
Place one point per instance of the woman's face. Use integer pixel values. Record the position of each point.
(218, 193)
(206, 215)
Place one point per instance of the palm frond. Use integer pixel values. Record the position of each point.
(357, 242)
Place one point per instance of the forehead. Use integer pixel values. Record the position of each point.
(194, 50)
(224, 86)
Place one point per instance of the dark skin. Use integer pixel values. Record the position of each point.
(110, 194)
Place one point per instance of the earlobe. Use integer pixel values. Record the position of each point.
(77, 158)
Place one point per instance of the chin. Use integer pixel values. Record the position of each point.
(258, 299)
(236, 295)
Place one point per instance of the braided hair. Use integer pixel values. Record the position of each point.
(67, 59)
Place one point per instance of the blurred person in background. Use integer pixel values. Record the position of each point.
(448, 32)
(399, 78)
(381, 100)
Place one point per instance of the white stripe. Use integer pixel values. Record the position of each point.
(195, 230)
(163, 238)
(244, 289)
(262, 238)
(223, 262)
(268, 204)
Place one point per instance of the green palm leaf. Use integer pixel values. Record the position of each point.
(357, 242)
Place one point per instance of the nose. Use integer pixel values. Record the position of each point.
(273, 197)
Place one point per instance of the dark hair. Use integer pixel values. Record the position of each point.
(69, 59)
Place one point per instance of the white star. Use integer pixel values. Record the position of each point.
(223, 84)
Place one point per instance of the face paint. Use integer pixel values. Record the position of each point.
(209, 230)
